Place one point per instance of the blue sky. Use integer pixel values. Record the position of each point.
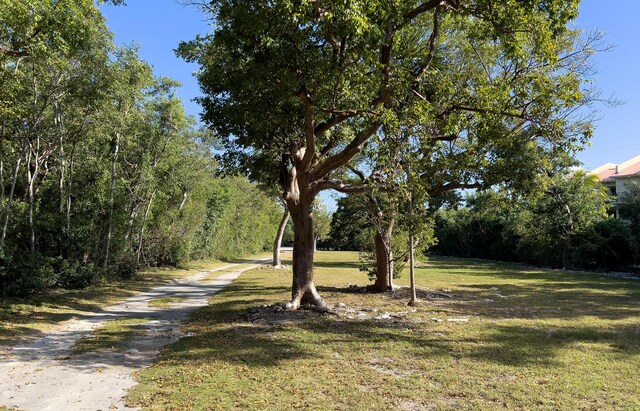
(157, 26)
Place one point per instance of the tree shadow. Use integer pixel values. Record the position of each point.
(511, 345)
(339, 264)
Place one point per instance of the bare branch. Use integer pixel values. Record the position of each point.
(359, 173)
(7, 51)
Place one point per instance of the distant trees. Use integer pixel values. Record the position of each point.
(351, 229)
(629, 206)
(322, 222)
(101, 171)
(565, 224)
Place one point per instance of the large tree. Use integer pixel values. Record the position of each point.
(297, 89)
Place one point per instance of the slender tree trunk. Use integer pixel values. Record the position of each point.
(7, 211)
(566, 249)
(277, 243)
(1, 180)
(32, 172)
(132, 218)
(107, 245)
(2, 142)
(566, 253)
(412, 276)
(144, 222)
(185, 193)
(63, 199)
(69, 188)
(303, 290)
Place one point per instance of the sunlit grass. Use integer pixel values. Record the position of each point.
(24, 317)
(533, 340)
(111, 336)
(165, 302)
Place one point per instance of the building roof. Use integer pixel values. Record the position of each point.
(610, 171)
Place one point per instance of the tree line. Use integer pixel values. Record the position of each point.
(101, 170)
(569, 224)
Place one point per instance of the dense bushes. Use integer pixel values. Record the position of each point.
(564, 225)
(101, 171)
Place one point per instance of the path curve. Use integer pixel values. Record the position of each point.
(42, 375)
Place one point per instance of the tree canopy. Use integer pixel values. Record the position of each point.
(473, 91)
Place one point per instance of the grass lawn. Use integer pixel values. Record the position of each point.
(20, 317)
(521, 339)
(112, 336)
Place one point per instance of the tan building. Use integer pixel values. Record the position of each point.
(617, 177)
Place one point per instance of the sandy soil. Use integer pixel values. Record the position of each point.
(43, 375)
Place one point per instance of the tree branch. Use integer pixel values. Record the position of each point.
(430, 5)
(330, 30)
(309, 130)
(453, 186)
(347, 188)
(485, 111)
(7, 51)
(340, 159)
(432, 46)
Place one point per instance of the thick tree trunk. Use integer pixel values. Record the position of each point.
(277, 243)
(384, 262)
(303, 290)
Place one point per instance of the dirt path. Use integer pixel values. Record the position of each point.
(43, 375)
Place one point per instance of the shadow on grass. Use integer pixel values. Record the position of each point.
(223, 334)
(515, 291)
(242, 260)
(337, 264)
(561, 301)
(512, 345)
(229, 339)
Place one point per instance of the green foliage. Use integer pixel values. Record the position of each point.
(604, 244)
(322, 219)
(101, 171)
(351, 228)
(478, 92)
(240, 220)
(629, 207)
(563, 225)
